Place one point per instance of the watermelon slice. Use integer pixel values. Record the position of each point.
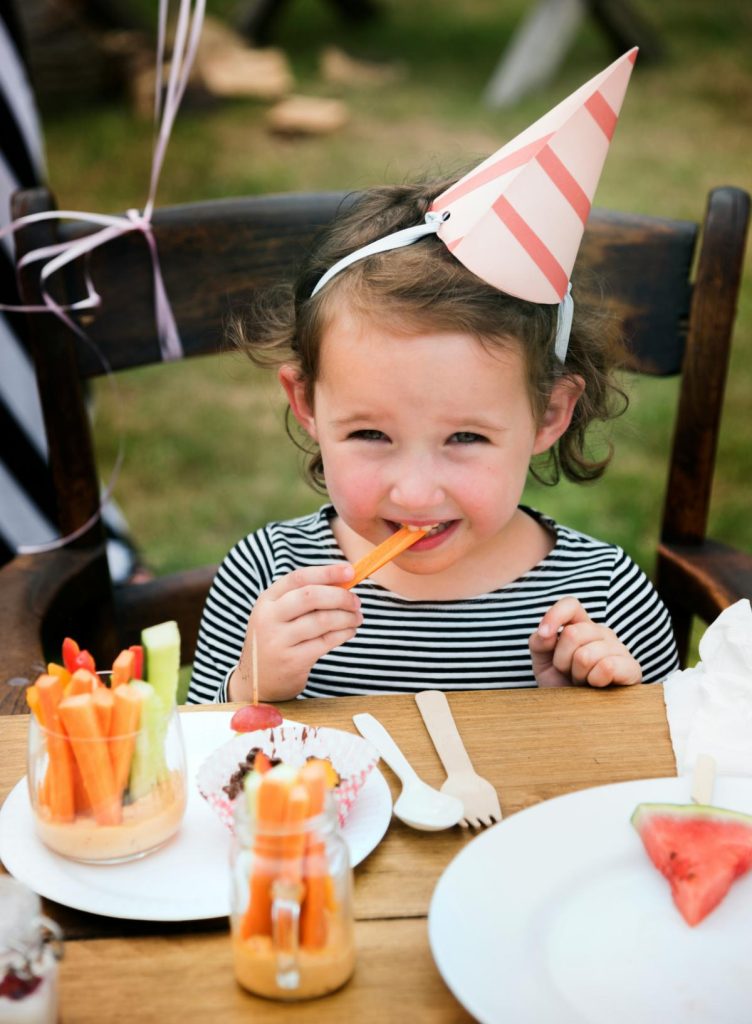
(701, 850)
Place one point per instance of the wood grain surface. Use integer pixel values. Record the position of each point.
(531, 744)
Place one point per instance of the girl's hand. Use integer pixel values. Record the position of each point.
(298, 619)
(568, 647)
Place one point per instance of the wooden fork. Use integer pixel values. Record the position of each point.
(478, 796)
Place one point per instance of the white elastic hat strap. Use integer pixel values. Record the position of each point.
(564, 316)
(396, 240)
(433, 222)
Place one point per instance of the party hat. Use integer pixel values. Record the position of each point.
(516, 221)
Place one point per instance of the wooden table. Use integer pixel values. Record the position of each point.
(531, 744)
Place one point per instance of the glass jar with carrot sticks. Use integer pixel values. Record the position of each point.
(106, 765)
(292, 921)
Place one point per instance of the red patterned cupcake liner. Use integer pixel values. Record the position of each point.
(352, 757)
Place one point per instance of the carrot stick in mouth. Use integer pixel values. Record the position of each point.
(400, 541)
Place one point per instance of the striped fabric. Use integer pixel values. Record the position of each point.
(27, 507)
(27, 501)
(405, 646)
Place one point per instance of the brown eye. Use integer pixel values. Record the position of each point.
(467, 437)
(368, 435)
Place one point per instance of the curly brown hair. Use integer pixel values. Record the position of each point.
(420, 288)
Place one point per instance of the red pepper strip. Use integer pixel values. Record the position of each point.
(84, 660)
(138, 661)
(70, 651)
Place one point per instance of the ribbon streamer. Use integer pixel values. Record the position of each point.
(55, 257)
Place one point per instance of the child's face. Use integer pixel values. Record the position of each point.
(423, 429)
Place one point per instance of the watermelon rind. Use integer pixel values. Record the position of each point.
(699, 848)
(690, 811)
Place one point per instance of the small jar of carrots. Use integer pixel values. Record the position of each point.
(292, 920)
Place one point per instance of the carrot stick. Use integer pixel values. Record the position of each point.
(32, 699)
(385, 552)
(91, 752)
(288, 884)
(126, 718)
(313, 927)
(104, 703)
(293, 840)
(123, 668)
(82, 681)
(59, 781)
(43, 794)
(271, 802)
(80, 796)
(54, 669)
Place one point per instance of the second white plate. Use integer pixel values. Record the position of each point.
(557, 915)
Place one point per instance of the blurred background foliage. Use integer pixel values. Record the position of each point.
(684, 128)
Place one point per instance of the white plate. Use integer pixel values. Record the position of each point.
(186, 880)
(557, 915)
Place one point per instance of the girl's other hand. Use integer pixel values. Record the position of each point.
(569, 648)
(298, 619)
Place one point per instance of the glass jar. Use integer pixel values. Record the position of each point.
(104, 797)
(30, 946)
(292, 919)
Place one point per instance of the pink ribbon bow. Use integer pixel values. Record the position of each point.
(55, 257)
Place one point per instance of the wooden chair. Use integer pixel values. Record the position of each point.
(212, 254)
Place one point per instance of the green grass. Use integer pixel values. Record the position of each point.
(682, 131)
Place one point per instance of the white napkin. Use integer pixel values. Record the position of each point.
(709, 707)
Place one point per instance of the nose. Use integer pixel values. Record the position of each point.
(415, 486)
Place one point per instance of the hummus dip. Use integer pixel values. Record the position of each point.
(147, 824)
(321, 970)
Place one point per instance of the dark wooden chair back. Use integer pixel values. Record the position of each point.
(676, 300)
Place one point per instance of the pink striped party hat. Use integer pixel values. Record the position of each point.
(516, 221)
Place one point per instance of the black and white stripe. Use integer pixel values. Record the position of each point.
(405, 646)
(26, 500)
(27, 503)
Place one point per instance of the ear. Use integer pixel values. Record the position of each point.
(295, 389)
(558, 415)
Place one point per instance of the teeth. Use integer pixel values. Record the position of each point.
(433, 528)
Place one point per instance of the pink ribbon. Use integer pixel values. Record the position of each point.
(55, 257)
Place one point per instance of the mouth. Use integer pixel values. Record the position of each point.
(433, 532)
(430, 529)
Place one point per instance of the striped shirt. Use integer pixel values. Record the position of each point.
(403, 645)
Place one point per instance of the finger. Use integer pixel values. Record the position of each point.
(564, 611)
(311, 575)
(620, 669)
(542, 643)
(320, 623)
(570, 652)
(587, 654)
(312, 598)
(311, 650)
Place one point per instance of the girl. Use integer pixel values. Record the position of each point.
(425, 392)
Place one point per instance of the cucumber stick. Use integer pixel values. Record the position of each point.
(149, 765)
(161, 645)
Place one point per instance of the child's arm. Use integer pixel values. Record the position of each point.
(297, 620)
(568, 647)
